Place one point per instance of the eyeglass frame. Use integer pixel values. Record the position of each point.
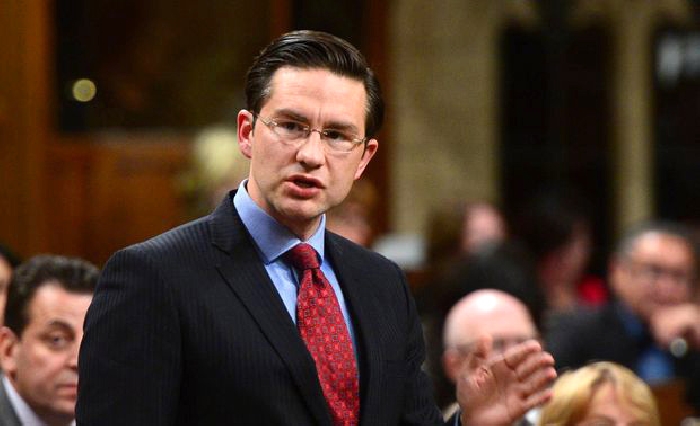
(272, 124)
(499, 344)
(652, 272)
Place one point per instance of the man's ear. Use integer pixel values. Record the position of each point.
(245, 132)
(452, 364)
(367, 154)
(9, 345)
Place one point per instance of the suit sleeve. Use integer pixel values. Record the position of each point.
(563, 341)
(130, 357)
(419, 407)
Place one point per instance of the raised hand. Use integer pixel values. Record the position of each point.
(499, 390)
(676, 322)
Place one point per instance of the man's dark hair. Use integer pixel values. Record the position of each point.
(549, 220)
(72, 274)
(9, 256)
(314, 49)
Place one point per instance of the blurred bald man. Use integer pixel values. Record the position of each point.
(494, 314)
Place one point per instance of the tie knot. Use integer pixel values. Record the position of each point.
(302, 257)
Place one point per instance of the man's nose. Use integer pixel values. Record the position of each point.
(319, 131)
(313, 150)
(666, 288)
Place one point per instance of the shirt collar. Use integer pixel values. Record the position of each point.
(271, 238)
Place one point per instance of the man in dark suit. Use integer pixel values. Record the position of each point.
(653, 325)
(46, 304)
(231, 320)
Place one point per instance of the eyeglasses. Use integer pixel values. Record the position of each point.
(294, 132)
(500, 344)
(650, 272)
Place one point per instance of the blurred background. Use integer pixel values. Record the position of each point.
(117, 118)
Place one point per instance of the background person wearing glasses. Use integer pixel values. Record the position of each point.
(255, 315)
(653, 325)
(487, 312)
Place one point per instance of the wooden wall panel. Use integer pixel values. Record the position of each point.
(83, 196)
(92, 194)
(24, 106)
(134, 194)
(68, 174)
(670, 399)
(107, 193)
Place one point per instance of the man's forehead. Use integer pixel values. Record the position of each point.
(292, 70)
(291, 81)
(501, 322)
(52, 299)
(512, 324)
(660, 244)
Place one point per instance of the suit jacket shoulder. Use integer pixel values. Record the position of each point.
(590, 334)
(8, 417)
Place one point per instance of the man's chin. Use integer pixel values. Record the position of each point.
(61, 411)
(302, 211)
(298, 217)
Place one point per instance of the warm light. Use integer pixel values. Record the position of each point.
(84, 90)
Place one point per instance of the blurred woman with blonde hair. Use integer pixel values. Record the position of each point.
(600, 394)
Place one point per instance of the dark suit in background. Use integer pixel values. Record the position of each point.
(601, 334)
(189, 329)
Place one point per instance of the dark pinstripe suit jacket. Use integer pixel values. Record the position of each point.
(187, 328)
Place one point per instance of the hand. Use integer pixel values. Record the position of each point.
(676, 322)
(494, 391)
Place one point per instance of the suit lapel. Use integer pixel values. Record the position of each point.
(365, 314)
(240, 266)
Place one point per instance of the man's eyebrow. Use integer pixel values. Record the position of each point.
(294, 115)
(291, 114)
(341, 125)
(57, 323)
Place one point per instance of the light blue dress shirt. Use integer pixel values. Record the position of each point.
(273, 240)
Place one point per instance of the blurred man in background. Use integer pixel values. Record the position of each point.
(653, 325)
(483, 225)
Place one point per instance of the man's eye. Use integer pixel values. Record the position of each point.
(336, 135)
(290, 126)
(57, 342)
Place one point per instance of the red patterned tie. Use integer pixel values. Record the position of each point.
(323, 329)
